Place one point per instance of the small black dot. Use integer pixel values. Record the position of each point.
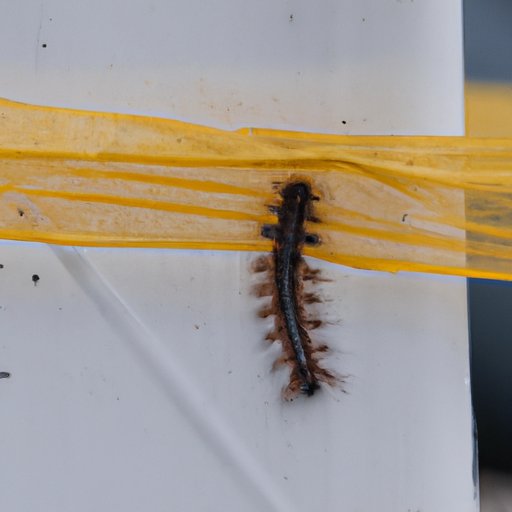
(44, 45)
(35, 279)
(21, 212)
(1, 265)
(343, 122)
(269, 231)
(311, 239)
(4, 375)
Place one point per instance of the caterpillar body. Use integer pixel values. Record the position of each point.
(287, 271)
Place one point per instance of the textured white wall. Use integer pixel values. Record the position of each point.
(140, 380)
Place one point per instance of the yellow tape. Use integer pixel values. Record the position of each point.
(488, 109)
(388, 203)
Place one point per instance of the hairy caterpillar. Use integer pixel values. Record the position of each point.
(287, 271)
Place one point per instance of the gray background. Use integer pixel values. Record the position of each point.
(488, 55)
(488, 39)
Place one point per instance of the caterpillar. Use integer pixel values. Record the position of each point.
(287, 271)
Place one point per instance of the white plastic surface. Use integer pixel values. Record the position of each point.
(139, 378)
(382, 66)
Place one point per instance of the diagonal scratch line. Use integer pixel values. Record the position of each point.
(182, 390)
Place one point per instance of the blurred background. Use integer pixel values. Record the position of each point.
(488, 59)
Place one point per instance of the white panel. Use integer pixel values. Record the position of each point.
(382, 66)
(140, 380)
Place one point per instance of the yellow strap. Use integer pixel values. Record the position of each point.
(387, 203)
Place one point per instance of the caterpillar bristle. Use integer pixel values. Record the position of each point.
(266, 311)
(263, 289)
(283, 360)
(272, 336)
(311, 325)
(311, 298)
(262, 264)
